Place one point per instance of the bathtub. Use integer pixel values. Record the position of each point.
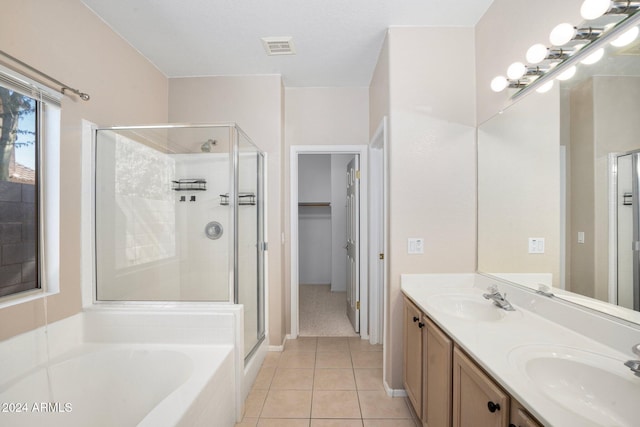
(125, 367)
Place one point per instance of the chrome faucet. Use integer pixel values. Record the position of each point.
(498, 299)
(544, 290)
(634, 365)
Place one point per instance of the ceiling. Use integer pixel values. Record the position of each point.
(337, 41)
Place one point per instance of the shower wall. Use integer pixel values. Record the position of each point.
(150, 239)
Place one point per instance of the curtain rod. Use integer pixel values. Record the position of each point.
(63, 87)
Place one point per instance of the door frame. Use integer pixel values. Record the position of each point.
(362, 151)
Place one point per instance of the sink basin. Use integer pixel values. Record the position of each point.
(470, 307)
(593, 386)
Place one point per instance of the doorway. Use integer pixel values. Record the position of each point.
(311, 216)
(327, 244)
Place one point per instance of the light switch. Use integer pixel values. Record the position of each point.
(536, 245)
(580, 236)
(415, 245)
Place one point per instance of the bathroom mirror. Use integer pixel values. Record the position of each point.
(558, 187)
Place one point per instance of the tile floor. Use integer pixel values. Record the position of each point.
(324, 382)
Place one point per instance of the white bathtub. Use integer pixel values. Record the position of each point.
(128, 367)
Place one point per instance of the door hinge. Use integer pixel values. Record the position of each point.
(264, 246)
(357, 305)
(358, 174)
(381, 256)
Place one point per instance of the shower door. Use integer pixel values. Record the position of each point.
(250, 241)
(628, 230)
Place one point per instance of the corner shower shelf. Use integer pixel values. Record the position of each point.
(194, 184)
(244, 199)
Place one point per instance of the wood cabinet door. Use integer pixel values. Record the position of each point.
(477, 400)
(437, 371)
(412, 345)
(520, 417)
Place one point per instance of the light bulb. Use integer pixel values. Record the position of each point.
(626, 38)
(516, 70)
(567, 74)
(562, 34)
(545, 87)
(498, 84)
(592, 9)
(536, 53)
(593, 57)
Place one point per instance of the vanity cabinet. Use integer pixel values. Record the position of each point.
(446, 387)
(427, 367)
(412, 343)
(477, 400)
(520, 417)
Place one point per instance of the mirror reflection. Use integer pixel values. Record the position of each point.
(558, 179)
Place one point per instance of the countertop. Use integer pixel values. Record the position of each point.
(498, 345)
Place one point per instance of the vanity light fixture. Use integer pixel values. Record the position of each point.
(626, 37)
(516, 70)
(566, 42)
(594, 9)
(594, 57)
(567, 74)
(545, 87)
(564, 33)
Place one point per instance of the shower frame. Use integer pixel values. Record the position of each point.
(235, 135)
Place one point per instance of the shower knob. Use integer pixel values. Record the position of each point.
(213, 230)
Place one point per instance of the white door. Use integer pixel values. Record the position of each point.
(353, 239)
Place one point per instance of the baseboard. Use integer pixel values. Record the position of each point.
(399, 392)
(280, 347)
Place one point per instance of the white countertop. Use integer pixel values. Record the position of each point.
(496, 344)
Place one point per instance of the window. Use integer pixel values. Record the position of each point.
(28, 113)
(19, 144)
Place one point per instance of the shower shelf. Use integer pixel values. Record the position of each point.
(244, 199)
(197, 184)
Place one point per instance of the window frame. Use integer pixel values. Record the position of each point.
(47, 186)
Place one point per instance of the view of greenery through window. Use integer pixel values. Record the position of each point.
(18, 193)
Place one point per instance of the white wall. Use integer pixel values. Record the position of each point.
(314, 222)
(255, 103)
(67, 41)
(319, 116)
(431, 158)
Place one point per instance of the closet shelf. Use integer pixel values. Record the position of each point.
(314, 204)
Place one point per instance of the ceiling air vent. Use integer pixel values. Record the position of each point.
(278, 45)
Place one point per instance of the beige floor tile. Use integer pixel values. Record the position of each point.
(283, 422)
(292, 379)
(301, 344)
(297, 359)
(271, 359)
(287, 404)
(265, 375)
(358, 344)
(376, 404)
(335, 404)
(368, 379)
(335, 423)
(247, 422)
(333, 344)
(333, 359)
(390, 423)
(367, 359)
(253, 404)
(334, 379)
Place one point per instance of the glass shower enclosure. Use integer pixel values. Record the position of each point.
(179, 217)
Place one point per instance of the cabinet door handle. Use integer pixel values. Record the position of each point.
(420, 325)
(493, 407)
(415, 319)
